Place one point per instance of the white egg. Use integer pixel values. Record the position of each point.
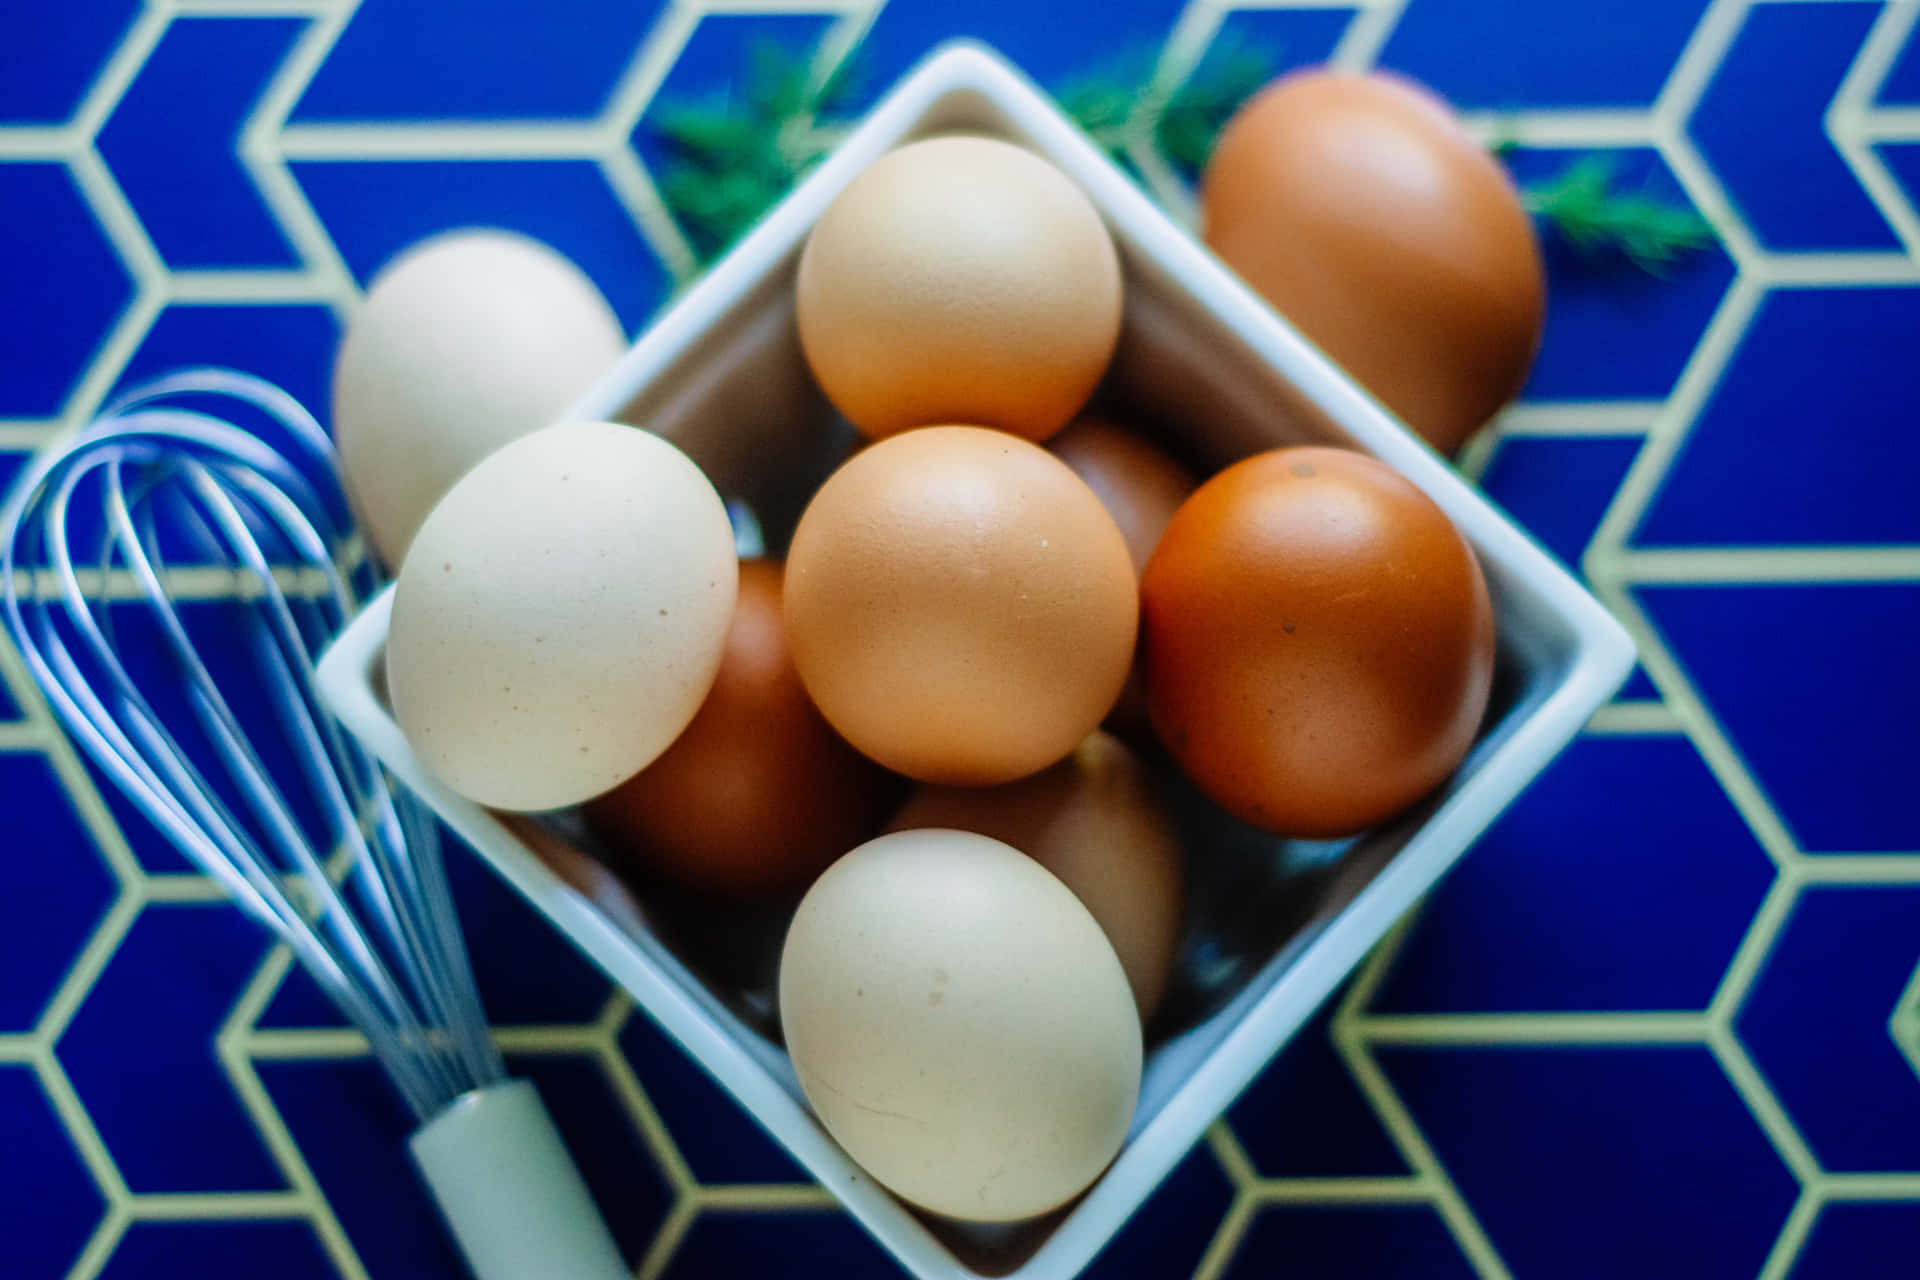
(561, 615)
(960, 1024)
(464, 342)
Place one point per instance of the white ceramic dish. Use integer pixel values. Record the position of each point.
(1280, 925)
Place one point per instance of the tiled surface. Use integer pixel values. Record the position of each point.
(1665, 1020)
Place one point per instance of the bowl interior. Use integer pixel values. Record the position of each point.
(1272, 925)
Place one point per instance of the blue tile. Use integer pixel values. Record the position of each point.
(1051, 43)
(1639, 687)
(1346, 1240)
(1590, 1161)
(1304, 1117)
(1283, 39)
(1903, 162)
(1613, 329)
(65, 288)
(1575, 900)
(1809, 437)
(54, 888)
(375, 208)
(719, 1140)
(53, 54)
(1168, 1235)
(1902, 85)
(300, 1003)
(215, 1250)
(173, 142)
(620, 1171)
(140, 1053)
(1558, 488)
(48, 1202)
(1849, 1241)
(1814, 683)
(290, 346)
(527, 972)
(801, 1244)
(715, 67)
(1816, 1024)
(1763, 116)
(351, 1129)
(1471, 51)
(429, 60)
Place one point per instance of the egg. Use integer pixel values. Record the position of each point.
(961, 607)
(1319, 641)
(959, 279)
(1360, 208)
(561, 615)
(1097, 822)
(758, 793)
(960, 1025)
(463, 342)
(1141, 486)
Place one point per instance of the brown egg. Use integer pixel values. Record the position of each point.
(1359, 207)
(960, 605)
(1136, 481)
(1141, 487)
(758, 793)
(1319, 641)
(1096, 821)
(959, 279)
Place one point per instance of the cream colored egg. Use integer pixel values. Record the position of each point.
(464, 342)
(561, 615)
(959, 279)
(960, 1024)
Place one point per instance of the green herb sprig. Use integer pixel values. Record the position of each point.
(733, 157)
(1596, 221)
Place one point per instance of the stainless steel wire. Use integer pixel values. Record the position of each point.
(242, 770)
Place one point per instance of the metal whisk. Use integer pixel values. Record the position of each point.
(104, 546)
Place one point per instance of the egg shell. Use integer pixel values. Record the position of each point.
(465, 341)
(960, 1024)
(959, 279)
(561, 615)
(1095, 820)
(1319, 641)
(1141, 486)
(758, 793)
(960, 606)
(1365, 213)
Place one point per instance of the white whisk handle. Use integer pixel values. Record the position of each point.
(510, 1193)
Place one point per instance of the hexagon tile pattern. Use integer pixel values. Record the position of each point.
(1665, 1020)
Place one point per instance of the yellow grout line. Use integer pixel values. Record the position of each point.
(89, 965)
(175, 1207)
(1634, 718)
(1393, 1189)
(101, 1244)
(633, 187)
(1583, 418)
(648, 69)
(666, 1239)
(461, 140)
(1227, 1235)
(647, 1119)
(22, 735)
(1739, 565)
(86, 1139)
(1871, 1186)
(1230, 1154)
(763, 1195)
(1529, 1028)
(181, 886)
(1419, 1155)
(1366, 35)
(1863, 868)
(1767, 1112)
(1751, 955)
(1793, 1236)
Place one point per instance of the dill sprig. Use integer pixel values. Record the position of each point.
(732, 157)
(1582, 207)
(1119, 106)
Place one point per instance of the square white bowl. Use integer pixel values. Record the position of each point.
(721, 374)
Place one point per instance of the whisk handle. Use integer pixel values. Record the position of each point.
(509, 1192)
